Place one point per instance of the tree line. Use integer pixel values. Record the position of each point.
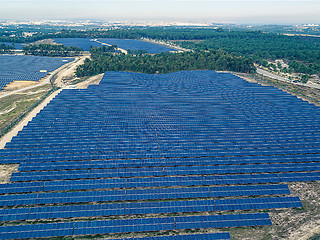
(51, 50)
(6, 48)
(102, 61)
(301, 53)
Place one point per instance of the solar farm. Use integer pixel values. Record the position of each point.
(166, 155)
(27, 68)
(84, 43)
(18, 46)
(126, 44)
(136, 45)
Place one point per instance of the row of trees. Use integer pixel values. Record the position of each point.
(163, 63)
(6, 48)
(51, 50)
(252, 44)
(303, 53)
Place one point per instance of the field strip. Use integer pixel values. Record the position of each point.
(7, 138)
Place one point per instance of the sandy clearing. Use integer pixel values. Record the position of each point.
(19, 85)
(5, 172)
(95, 80)
(69, 71)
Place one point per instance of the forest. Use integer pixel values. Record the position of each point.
(51, 50)
(301, 53)
(104, 60)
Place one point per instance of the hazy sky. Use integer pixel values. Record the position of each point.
(255, 11)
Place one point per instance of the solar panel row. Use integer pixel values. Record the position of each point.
(140, 130)
(157, 182)
(98, 210)
(49, 166)
(139, 194)
(132, 225)
(156, 171)
(27, 68)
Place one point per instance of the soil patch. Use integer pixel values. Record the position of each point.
(5, 172)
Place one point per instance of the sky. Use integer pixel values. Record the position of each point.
(227, 11)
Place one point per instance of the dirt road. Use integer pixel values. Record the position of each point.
(68, 71)
(44, 82)
(273, 76)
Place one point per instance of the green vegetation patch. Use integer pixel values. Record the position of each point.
(163, 63)
(51, 50)
(14, 107)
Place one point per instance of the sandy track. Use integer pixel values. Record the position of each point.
(273, 76)
(42, 83)
(69, 71)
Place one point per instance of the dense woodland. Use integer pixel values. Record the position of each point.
(51, 50)
(301, 53)
(103, 61)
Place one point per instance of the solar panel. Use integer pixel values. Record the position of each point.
(192, 141)
(36, 230)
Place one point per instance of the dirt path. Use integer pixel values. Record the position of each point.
(7, 138)
(95, 80)
(47, 80)
(68, 72)
(273, 76)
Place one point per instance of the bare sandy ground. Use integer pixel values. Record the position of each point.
(6, 171)
(69, 71)
(19, 85)
(95, 80)
(42, 82)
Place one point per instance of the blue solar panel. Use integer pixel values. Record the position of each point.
(27, 68)
(36, 230)
(136, 45)
(182, 136)
(21, 187)
(251, 190)
(125, 225)
(257, 203)
(21, 199)
(218, 221)
(169, 193)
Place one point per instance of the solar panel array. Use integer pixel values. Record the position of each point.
(194, 144)
(126, 44)
(84, 43)
(136, 45)
(18, 46)
(27, 68)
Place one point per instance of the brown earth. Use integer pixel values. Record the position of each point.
(5, 172)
